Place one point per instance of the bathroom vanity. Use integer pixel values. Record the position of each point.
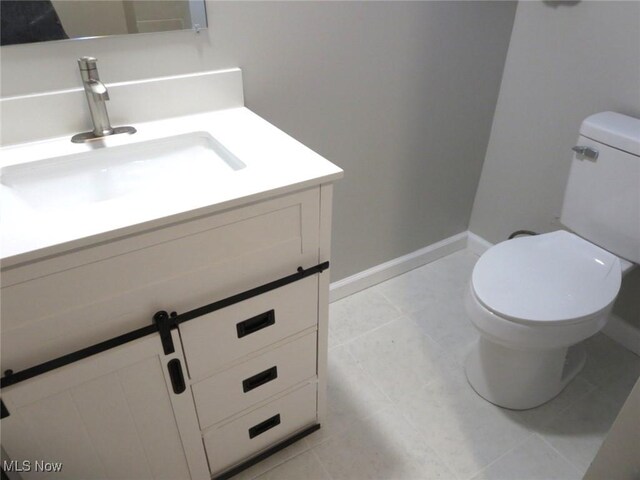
(159, 323)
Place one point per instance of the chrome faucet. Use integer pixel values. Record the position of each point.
(97, 95)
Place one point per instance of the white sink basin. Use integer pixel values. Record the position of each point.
(185, 162)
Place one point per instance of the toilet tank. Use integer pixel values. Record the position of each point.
(602, 197)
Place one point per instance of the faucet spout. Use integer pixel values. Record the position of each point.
(97, 95)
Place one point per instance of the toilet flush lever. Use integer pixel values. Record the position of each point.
(586, 152)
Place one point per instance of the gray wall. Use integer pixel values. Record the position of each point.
(401, 95)
(566, 61)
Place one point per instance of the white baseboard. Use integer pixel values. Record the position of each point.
(397, 266)
(477, 244)
(624, 333)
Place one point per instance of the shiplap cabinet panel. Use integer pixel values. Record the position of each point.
(111, 416)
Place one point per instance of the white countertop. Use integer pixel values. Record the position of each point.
(275, 164)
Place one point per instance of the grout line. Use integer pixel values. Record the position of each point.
(351, 340)
(577, 468)
(322, 465)
(371, 379)
(604, 391)
(426, 334)
(517, 445)
(345, 431)
(590, 389)
(399, 312)
(388, 299)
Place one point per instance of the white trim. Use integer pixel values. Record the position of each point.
(397, 266)
(477, 244)
(623, 332)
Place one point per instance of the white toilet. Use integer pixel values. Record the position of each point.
(535, 298)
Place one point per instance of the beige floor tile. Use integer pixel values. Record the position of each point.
(273, 461)
(351, 395)
(414, 290)
(400, 358)
(382, 447)
(610, 366)
(465, 431)
(532, 460)
(303, 467)
(445, 321)
(538, 418)
(579, 432)
(359, 313)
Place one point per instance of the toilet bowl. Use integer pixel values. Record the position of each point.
(534, 299)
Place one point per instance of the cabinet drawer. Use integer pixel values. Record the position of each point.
(239, 387)
(235, 441)
(216, 339)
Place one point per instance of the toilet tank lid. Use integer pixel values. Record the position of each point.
(613, 129)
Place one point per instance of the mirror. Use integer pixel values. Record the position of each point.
(27, 21)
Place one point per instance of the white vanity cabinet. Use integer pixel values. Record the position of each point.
(253, 365)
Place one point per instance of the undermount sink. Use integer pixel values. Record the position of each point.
(191, 161)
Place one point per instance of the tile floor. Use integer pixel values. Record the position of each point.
(400, 407)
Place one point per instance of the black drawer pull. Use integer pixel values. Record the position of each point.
(177, 378)
(264, 426)
(256, 323)
(259, 379)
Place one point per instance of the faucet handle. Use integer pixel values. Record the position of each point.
(87, 63)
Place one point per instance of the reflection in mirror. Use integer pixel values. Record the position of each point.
(27, 21)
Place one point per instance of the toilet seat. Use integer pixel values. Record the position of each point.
(553, 278)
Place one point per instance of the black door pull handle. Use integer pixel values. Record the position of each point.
(177, 378)
(253, 324)
(268, 424)
(259, 379)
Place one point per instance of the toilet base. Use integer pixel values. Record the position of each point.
(521, 379)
